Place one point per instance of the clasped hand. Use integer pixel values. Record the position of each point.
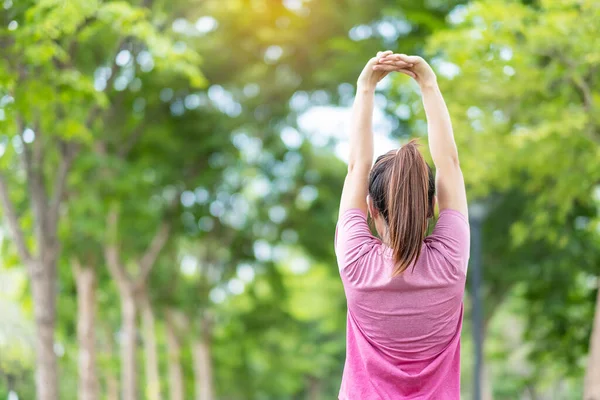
(385, 62)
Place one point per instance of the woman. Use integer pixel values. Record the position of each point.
(404, 290)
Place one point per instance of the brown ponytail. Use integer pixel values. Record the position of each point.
(402, 188)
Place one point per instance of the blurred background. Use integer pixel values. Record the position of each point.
(170, 173)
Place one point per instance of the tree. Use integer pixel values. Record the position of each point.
(86, 337)
(48, 48)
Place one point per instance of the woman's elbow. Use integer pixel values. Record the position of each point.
(450, 162)
(358, 166)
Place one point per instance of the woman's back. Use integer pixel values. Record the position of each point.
(403, 332)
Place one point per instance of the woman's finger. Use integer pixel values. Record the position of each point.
(383, 54)
(407, 72)
(409, 59)
(386, 68)
(391, 57)
(373, 61)
(391, 68)
(396, 63)
(401, 57)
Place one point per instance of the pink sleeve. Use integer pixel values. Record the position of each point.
(353, 238)
(451, 236)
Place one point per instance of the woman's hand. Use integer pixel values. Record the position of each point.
(371, 75)
(413, 66)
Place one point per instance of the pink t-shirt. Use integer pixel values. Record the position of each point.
(403, 333)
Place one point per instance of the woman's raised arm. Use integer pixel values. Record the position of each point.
(354, 194)
(450, 184)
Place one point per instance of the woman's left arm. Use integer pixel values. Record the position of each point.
(354, 194)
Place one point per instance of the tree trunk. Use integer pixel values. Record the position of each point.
(128, 347)
(43, 286)
(487, 386)
(129, 291)
(41, 265)
(110, 377)
(86, 333)
(112, 387)
(174, 357)
(314, 388)
(591, 385)
(150, 349)
(203, 375)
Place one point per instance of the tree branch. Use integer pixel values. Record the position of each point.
(111, 251)
(74, 45)
(35, 182)
(76, 266)
(152, 252)
(585, 91)
(95, 110)
(158, 242)
(207, 322)
(177, 319)
(588, 106)
(587, 97)
(13, 221)
(38, 150)
(68, 152)
(138, 131)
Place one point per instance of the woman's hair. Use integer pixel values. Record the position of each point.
(401, 186)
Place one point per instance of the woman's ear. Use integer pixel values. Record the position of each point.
(371, 207)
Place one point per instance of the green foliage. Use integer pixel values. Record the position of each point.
(282, 340)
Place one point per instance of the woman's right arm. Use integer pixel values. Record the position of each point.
(449, 181)
(450, 185)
